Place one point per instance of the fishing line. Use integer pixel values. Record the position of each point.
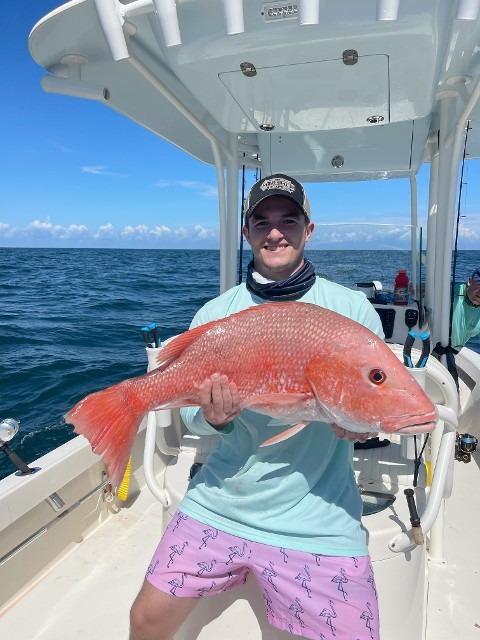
(418, 459)
(455, 250)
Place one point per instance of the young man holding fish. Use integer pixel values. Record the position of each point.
(290, 512)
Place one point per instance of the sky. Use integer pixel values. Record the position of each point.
(75, 173)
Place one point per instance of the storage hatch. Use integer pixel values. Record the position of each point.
(311, 96)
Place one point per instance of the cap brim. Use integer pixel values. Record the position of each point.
(249, 212)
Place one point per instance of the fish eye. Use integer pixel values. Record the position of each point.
(377, 376)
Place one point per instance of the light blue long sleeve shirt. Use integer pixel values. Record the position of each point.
(298, 494)
(465, 318)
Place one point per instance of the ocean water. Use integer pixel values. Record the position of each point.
(70, 321)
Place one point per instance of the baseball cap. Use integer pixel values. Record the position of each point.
(277, 184)
(476, 275)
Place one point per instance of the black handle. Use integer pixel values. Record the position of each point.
(412, 507)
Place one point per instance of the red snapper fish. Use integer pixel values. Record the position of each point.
(294, 361)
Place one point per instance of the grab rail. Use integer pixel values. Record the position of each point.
(405, 541)
(148, 458)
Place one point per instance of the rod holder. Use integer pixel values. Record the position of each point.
(111, 20)
(387, 10)
(166, 12)
(233, 10)
(308, 12)
(468, 10)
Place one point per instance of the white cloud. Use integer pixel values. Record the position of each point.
(46, 233)
(160, 231)
(204, 189)
(467, 233)
(39, 229)
(361, 236)
(101, 170)
(203, 233)
(105, 231)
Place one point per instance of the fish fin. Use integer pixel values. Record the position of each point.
(176, 346)
(285, 435)
(109, 419)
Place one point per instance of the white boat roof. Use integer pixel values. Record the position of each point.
(402, 69)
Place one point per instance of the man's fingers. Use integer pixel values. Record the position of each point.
(219, 399)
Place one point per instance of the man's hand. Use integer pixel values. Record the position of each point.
(219, 400)
(352, 436)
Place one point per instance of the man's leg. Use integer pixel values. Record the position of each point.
(156, 615)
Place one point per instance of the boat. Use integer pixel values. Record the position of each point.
(322, 91)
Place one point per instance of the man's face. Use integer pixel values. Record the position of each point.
(277, 233)
(473, 291)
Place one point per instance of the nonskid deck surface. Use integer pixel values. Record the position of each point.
(89, 593)
(454, 592)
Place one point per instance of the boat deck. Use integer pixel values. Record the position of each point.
(88, 593)
(453, 597)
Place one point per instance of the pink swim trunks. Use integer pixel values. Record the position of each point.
(310, 595)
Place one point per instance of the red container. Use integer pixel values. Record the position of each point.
(400, 292)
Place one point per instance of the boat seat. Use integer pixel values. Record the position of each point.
(386, 469)
(200, 446)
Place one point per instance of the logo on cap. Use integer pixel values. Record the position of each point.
(277, 183)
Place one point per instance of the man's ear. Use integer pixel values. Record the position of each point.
(245, 232)
(309, 231)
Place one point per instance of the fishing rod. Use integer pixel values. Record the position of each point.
(240, 258)
(240, 262)
(455, 249)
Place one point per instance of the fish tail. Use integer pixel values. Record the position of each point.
(109, 419)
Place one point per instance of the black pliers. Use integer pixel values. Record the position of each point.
(151, 335)
(407, 349)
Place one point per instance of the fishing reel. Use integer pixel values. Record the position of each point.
(465, 445)
(8, 430)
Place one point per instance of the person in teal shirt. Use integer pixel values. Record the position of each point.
(289, 513)
(466, 312)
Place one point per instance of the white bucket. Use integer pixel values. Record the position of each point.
(368, 289)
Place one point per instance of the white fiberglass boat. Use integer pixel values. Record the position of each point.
(323, 91)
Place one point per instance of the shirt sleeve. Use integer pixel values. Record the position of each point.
(370, 318)
(196, 423)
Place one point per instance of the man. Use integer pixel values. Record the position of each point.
(288, 513)
(466, 311)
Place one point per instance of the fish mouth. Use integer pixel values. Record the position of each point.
(424, 427)
(409, 425)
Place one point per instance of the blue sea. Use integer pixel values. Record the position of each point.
(70, 321)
